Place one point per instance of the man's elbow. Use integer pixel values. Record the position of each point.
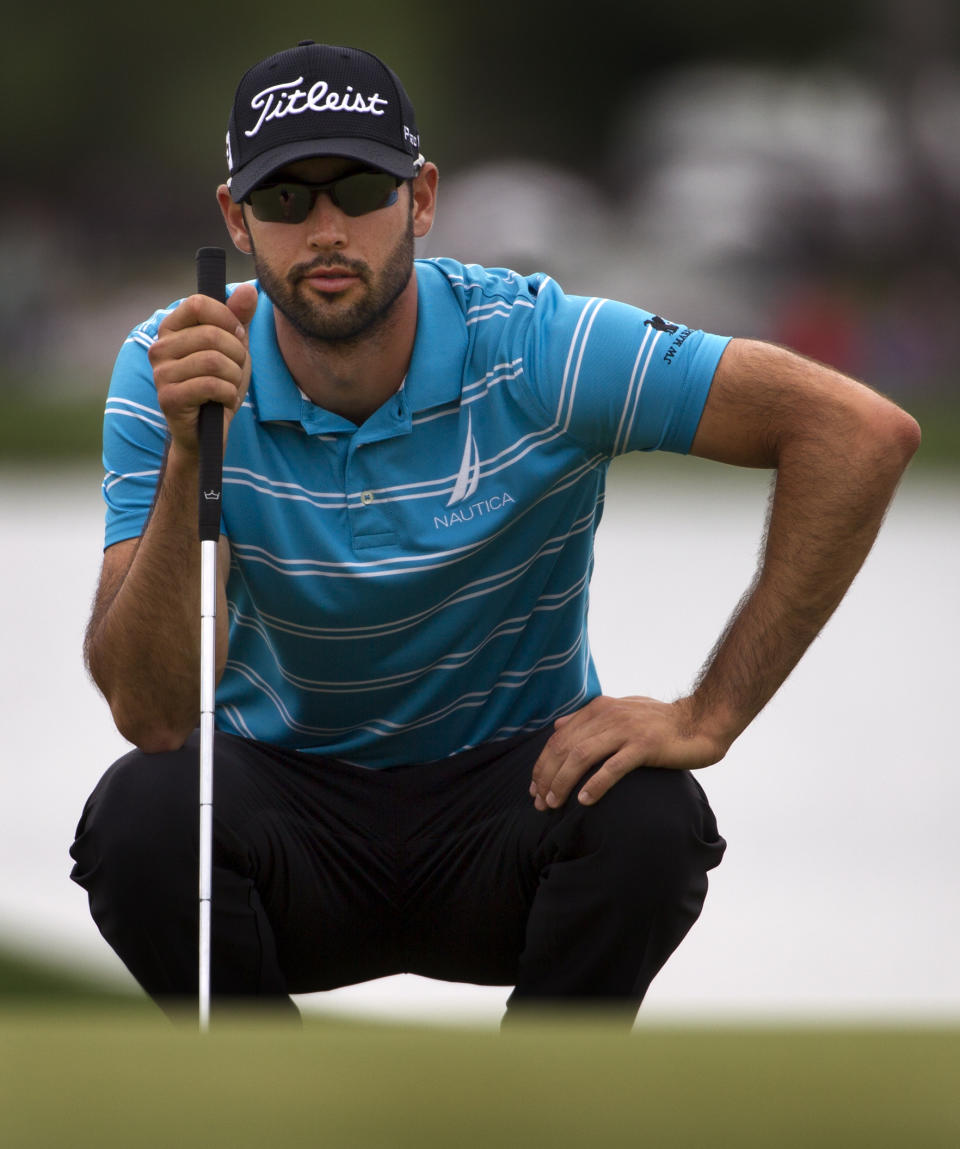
(890, 434)
(148, 730)
(908, 435)
(137, 719)
(151, 736)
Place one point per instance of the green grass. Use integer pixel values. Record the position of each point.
(83, 1066)
(41, 432)
(28, 982)
(137, 1081)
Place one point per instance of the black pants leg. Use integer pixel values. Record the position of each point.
(136, 854)
(326, 874)
(620, 884)
(580, 905)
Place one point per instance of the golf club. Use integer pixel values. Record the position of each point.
(211, 280)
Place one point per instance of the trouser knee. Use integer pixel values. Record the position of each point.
(139, 828)
(654, 827)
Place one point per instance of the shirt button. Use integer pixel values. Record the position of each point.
(366, 497)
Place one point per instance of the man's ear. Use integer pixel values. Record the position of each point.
(233, 217)
(424, 191)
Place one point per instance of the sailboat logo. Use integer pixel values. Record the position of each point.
(468, 477)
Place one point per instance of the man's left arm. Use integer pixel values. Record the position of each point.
(839, 450)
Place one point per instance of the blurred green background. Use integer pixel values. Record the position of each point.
(790, 175)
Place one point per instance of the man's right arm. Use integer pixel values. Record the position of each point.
(142, 644)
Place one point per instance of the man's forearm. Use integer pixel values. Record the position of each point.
(839, 450)
(143, 641)
(829, 499)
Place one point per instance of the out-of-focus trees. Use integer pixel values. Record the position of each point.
(622, 146)
(115, 114)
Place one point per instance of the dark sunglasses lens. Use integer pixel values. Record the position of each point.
(354, 195)
(281, 203)
(363, 192)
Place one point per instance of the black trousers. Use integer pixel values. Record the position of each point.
(327, 874)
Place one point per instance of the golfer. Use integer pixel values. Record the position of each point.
(416, 769)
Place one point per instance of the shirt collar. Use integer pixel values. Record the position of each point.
(435, 375)
(273, 391)
(433, 378)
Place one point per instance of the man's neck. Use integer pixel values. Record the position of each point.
(354, 378)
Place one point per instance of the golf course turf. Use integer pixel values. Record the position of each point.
(125, 1076)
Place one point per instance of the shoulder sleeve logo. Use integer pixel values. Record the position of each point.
(658, 323)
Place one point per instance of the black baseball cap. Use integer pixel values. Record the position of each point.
(319, 100)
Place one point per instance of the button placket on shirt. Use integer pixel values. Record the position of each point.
(373, 518)
(371, 524)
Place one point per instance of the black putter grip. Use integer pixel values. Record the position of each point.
(212, 281)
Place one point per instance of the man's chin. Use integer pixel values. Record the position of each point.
(330, 326)
(327, 316)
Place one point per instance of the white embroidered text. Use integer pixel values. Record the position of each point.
(290, 99)
(463, 514)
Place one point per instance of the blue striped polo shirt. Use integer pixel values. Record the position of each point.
(417, 585)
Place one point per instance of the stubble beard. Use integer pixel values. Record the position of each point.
(319, 321)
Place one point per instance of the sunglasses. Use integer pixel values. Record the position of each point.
(355, 194)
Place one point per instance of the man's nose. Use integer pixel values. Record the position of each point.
(327, 223)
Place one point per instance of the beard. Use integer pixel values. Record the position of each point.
(331, 321)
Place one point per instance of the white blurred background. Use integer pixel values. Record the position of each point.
(838, 894)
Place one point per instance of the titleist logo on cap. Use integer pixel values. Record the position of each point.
(289, 99)
(362, 113)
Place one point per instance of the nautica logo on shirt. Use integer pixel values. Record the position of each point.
(289, 99)
(465, 486)
(467, 511)
(468, 477)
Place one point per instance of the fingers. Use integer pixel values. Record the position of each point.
(201, 355)
(579, 743)
(200, 310)
(196, 352)
(243, 302)
(565, 781)
(610, 737)
(198, 324)
(609, 774)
